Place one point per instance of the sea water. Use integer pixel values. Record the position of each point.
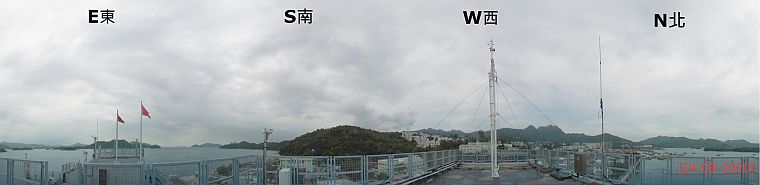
(56, 158)
(669, 170)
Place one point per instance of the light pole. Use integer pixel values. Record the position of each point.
(267, 132)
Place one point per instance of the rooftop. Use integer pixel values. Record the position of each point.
(509, 176)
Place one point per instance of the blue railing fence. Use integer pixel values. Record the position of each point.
(620, 168)
(381, 169)
(708, 170)
(20, 171)
(503, 156)
(364, 169)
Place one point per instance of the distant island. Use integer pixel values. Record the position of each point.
(208, 145)
(707, 144)
(256, 146)
(353, 140)
(755, 150)
(7, 145)
(106, 144)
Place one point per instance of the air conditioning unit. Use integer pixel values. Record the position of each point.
(285, 176)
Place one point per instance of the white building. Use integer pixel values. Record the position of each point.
(475, 147)
(423, 139)
(518, 144)
(575, 147)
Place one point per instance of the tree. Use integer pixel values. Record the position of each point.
(482, 136)
(224, 170)
(347, 140)
(450, 144)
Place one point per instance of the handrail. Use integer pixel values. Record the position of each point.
(26, 160)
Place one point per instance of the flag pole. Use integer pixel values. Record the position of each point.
(141, 149)
(116, 152)
(97, 134)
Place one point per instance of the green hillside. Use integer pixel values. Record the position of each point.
(347, 140)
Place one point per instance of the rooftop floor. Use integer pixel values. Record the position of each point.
(509, 176)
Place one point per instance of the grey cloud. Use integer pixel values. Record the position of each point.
(223, 71)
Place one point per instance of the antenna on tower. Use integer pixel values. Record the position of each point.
(492, 49)
(494, 112)
(601, 112)
(491, 44)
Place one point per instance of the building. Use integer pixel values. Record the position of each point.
(423, 139)
(475, 147)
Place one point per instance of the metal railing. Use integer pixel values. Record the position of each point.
(364, 169)
(633, 168)
(620, 168)
(484, 156)
(561, 160)
(707, 170)
(387, 168)
(122, 152)
(20, 171)
(235, 170)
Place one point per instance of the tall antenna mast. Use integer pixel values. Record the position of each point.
(601, 112)
(492, 92)
(97, 134)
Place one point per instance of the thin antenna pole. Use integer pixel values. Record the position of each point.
(601, 111)
(97, 126)
(97, 134)
(140, 152)
(116, 144)
(267, 132)
(492, 92)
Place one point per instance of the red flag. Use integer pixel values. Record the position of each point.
(118, 118)
(144, 111)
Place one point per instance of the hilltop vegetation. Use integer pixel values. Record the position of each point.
(711, 144)
(347, 140)
(549, 133)
(8, 145)
(257, 146)
(554, 134)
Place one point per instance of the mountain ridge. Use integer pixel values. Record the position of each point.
(554, 134)
(209, 145)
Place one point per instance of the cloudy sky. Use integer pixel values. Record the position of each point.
(219, 72)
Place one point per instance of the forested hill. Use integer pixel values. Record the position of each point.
(549, 133)
(347, 140)
(256, 146)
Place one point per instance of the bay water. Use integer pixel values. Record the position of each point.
(56, 158)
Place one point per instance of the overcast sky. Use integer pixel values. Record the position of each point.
(221, 71)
